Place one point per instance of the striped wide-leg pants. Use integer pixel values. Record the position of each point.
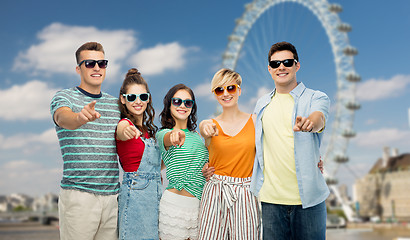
(229, 210)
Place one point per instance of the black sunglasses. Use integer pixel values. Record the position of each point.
(177, 102)
(91, 63)
(132, 97)
(286, 63)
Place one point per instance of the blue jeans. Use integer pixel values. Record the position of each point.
(140, 192)
(282, 222)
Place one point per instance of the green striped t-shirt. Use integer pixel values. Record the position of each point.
(89, 152)
(184, 164)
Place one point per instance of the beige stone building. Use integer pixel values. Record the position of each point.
(385, 190)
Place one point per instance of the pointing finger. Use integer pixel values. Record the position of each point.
(297, 125)
(305, 125)
(310, 127)
(215, 129)
(92, 104)
(182, 140)
(87, 115)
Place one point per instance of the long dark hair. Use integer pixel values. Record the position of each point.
(134, 77)
(166, 119)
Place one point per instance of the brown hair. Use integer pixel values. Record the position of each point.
(133, 76)
(283, 46)
(91, 46)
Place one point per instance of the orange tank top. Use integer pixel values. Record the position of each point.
(233, 155)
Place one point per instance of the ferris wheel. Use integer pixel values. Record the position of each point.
(343, 54)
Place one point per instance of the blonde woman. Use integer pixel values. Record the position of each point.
(228, 209)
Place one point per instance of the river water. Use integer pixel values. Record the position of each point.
(365, 234)
(35, 231)
(26, 231)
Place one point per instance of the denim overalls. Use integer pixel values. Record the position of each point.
(139, 196)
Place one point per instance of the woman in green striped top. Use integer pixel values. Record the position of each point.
(184, 154)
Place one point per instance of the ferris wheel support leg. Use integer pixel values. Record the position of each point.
(345, 207)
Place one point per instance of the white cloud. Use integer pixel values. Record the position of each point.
(383, 137)
(371, 121)
(204, 90)
(30, 163)
(29, 141)
(55, 52)
(377, 89)
(250, 104)
(29, 101)
(28, 177)
(162, 57)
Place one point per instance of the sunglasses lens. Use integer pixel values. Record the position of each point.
(274, 64)
(189, 103)
(144, 97)
(231, 89)
(102, 63)
(131, 97)
(176, 102)
(89, 63)
(219, 91)
(288, 62)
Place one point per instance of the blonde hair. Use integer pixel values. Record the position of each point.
(224, 76)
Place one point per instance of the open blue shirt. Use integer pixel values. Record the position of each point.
(312, 185)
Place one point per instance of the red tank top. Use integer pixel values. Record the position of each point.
(130, 151)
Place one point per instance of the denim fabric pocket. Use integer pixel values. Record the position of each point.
(139, 183)
(151, 152)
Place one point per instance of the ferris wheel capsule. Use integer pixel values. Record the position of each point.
(344, 27)
(241, 21)
(341, 159)
(348, 133)
(336, 8)
(228, 56)
(331, 181)
(234, 38)
(350, 51)
(251, 7)
(353, 105)
(353, 77)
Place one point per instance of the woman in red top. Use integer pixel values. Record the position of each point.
(140, 191)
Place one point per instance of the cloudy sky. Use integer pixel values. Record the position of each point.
(183, 41)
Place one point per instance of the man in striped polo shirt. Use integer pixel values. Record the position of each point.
(85, 119)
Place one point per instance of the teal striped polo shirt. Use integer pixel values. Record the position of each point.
(184, 164)
(89, 152)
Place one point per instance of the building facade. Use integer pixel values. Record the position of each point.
(385, 191)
